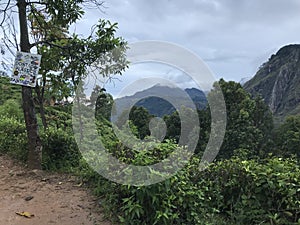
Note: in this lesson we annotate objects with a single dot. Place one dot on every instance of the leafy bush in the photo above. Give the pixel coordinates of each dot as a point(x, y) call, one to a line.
point(59, 116)
point(287, 137)
point(253, 192)
point(8, 90)
point(177, 200)
point(12, 108)
point(228, 192)
point(234, 191)
point(60, 150)
point(13, 138)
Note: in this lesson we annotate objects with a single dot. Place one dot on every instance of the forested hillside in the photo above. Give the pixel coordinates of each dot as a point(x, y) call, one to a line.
point(152, 164)
point(255, 179)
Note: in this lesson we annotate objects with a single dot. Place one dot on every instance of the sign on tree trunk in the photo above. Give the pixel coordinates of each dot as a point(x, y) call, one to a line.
point(26, 69)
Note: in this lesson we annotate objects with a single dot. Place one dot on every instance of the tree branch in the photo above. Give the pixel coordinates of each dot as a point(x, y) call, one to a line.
point(5, 12)
point(33, 11)
point(38, 3)
point(48, 42)
point(92, 4)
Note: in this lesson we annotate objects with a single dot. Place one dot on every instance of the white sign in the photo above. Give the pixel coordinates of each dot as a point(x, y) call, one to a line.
point(26, 69)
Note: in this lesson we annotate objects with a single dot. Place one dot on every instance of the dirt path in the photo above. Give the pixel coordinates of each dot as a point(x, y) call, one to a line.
point(53, 199)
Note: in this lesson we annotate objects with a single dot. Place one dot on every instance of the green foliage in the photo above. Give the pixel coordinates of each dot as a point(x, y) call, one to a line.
point(60, 150)
point(102, 101)
point(13, 137)
point(173, 126)
point(158, 203)
point(229, 192)
point(205, 126)
point(252, 192)
point(12, 108)
point(235, 191)
point(249, 122)
point(287, 137)
point(69, 58)
point(174, 201)
point(9, 91)
point(173, 123)
point(64, 13)
point(140, 118)
point(66, 57)
point(59, 116)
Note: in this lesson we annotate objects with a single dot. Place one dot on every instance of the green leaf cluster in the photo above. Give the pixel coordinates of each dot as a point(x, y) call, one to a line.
point(13, 137)
point(233, 191)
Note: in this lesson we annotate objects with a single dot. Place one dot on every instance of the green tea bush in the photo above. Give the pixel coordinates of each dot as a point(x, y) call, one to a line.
point(253, 192)
point(60, 150)
point(8, 90)
point(13, 138)
point(59, 116)
point(12, 108)
point(177, 200)
point(234, 191)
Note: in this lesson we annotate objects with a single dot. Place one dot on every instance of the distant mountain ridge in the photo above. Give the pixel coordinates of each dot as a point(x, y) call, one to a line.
point(278, 82)
point(158, 99)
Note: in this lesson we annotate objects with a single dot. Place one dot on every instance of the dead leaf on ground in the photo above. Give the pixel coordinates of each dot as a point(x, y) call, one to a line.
point(78, 185)
point(25, 214)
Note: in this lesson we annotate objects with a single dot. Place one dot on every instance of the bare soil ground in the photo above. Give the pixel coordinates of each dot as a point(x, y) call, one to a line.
point(52, 198)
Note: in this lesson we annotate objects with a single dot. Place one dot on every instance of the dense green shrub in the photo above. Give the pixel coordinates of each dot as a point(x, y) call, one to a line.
point(13, 138)
point(252, 192)
point(60, 150)
point(8, 90)
point(177, 200)
point(234, 191)
point(287, 137)
point(12, 108)
point(59, 116)
point(228, 192)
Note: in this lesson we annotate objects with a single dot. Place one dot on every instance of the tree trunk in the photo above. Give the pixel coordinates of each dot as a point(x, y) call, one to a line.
point(40, 98)
point(34, 141)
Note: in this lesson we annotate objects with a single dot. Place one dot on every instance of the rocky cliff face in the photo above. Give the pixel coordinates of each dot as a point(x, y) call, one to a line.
point(278, 81)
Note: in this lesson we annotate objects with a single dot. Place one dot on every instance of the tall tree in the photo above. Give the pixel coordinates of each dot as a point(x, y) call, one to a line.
point(49, 22)
point(140, 118)
point(34, 141)
point(102, 101)
point(287, 137)
point(249, 122)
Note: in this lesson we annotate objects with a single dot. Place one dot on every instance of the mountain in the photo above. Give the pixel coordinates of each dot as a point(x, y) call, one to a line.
point(159, 100)
point(198, 97)
point(244, 80)
point(278, 82)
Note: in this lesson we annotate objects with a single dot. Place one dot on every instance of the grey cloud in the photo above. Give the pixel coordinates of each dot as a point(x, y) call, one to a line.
point(230, 35)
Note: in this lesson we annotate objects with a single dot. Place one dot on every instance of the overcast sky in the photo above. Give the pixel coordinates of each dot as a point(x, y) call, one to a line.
point(233, 37)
